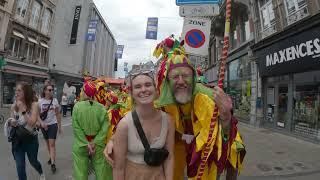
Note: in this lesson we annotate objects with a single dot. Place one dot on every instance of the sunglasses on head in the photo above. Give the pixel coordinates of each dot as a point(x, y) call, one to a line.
point(142, 72)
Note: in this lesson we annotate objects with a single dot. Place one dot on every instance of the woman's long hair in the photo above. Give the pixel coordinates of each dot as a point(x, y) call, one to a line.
point(43, 94)
point(29, 95)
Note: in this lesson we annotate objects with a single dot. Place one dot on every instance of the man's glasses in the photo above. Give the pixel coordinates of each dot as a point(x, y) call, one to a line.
point(49, 90)
point(176, 77)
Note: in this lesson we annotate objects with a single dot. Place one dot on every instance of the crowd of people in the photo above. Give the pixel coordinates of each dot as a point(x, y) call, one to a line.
point(160, 126)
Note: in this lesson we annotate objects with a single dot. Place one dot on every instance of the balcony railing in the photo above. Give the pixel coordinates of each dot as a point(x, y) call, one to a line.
point(297, 15)
point(268, 31)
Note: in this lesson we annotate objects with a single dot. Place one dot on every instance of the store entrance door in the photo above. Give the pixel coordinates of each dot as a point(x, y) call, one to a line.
point(282, 107)
point(270, 109)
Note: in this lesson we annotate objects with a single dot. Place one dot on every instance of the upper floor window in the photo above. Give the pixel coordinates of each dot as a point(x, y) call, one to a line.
point(15, 46)
point(35, 14)
point(267, 14)
point(46, 21)
point(296, 10)
point(22, 6)
point(2, 2)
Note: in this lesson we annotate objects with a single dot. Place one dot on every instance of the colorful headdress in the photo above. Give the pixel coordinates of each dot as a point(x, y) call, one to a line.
point(174, 58)
point(89, 88)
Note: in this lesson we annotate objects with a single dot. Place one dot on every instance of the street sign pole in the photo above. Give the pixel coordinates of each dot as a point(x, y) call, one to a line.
point(220, 84)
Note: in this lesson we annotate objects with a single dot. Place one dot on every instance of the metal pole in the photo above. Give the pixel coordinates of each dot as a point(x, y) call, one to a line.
point(214, 119)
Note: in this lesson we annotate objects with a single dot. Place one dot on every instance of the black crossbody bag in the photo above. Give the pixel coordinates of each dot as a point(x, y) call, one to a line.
point(152, 156)
point(44, 114)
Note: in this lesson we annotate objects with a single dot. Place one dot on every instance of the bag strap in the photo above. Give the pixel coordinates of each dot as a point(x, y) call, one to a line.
point(49, 106)
point(138, 126)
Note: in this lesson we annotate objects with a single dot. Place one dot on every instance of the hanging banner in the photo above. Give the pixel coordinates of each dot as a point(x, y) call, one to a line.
point(119, 51)
point(91, 34)
point(152, 28)
point(75, 24)
point(196, 34)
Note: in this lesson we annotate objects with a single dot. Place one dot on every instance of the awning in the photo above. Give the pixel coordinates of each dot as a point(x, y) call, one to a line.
point(33, 40)
point(16, 33)
point(44, 45)
point(25, 71)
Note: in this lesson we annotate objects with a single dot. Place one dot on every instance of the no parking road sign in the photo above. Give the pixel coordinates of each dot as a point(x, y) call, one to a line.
point(195, 38)
point(196, 34)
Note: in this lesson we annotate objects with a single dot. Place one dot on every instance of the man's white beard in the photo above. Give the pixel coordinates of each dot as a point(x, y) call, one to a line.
point(183, 98)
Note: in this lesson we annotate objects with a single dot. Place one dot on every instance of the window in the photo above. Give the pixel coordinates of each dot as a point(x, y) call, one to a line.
point(15, 44)
point(35, 14)
point(9, 87)
point(2, 2)
point(296, 10)
point(267, 14)
point(29, 51)
point(22, 6)
point(306, 104)
point(42, 55)
point(46, 21)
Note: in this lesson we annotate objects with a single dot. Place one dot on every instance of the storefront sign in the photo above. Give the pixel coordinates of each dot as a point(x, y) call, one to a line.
point(294, 54)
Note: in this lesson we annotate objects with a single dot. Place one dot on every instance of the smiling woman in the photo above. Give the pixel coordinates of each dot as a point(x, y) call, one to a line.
point(132, 155)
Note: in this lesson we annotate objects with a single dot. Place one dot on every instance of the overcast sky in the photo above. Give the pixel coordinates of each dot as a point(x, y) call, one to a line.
point(127, 20)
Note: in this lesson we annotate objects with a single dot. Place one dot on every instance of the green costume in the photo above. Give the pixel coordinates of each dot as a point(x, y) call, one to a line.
point(90, 120)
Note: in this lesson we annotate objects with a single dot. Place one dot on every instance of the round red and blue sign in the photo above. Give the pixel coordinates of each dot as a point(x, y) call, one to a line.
point(195, 38)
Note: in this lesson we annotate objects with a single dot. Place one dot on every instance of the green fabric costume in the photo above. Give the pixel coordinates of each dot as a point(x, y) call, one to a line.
point(90, 120)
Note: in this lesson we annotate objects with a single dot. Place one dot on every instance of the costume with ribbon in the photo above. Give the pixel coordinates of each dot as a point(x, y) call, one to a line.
point(192, 122)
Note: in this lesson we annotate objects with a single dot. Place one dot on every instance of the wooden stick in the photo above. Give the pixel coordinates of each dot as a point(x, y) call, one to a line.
point(214, 119)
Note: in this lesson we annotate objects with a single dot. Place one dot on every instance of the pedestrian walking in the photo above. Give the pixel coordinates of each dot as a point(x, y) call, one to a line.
point(64, 104)
point(51, 122)
point(71, 99)
point(90, 126)
point(21, 130)
point(144, 138)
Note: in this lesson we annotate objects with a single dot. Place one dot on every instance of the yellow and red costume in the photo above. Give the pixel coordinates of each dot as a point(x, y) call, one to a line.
point(194, 118)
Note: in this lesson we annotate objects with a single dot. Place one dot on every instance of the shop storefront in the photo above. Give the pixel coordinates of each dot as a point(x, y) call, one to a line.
point(290, 71)
point(11, 74)
point(239, 86)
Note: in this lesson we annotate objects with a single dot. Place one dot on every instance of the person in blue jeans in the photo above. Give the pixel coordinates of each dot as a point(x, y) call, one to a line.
point(25, 112)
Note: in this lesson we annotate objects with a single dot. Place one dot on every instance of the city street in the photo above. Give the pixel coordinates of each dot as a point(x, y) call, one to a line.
point(270, 156)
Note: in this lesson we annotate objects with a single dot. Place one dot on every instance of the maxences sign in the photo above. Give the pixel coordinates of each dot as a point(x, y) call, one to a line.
point(293, 54)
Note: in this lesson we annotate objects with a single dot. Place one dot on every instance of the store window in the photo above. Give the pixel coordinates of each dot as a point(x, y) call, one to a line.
point(35, 13)
point(21, 10)
point(296, 10)
point(306, 104)
point(46, 21)
point(239, 86)
point(15, 46)
point(9, 87)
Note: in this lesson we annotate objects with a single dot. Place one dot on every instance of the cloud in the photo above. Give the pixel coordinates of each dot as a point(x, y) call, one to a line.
point(127, 21)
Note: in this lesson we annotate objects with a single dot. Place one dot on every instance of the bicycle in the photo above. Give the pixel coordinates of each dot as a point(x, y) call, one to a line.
point(1, 119)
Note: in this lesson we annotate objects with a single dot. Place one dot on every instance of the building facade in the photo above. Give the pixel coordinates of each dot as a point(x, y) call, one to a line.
point(287, 52)
point(5, 13)
point(240, 70)
point(26, 45)
point(273, 67)
point(82, 43)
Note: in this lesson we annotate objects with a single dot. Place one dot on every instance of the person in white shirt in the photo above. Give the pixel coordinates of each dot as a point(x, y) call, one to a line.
point(64, 104)
point(51, 122)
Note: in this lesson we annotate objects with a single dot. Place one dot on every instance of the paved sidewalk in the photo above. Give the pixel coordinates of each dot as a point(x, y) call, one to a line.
point(270, 154)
